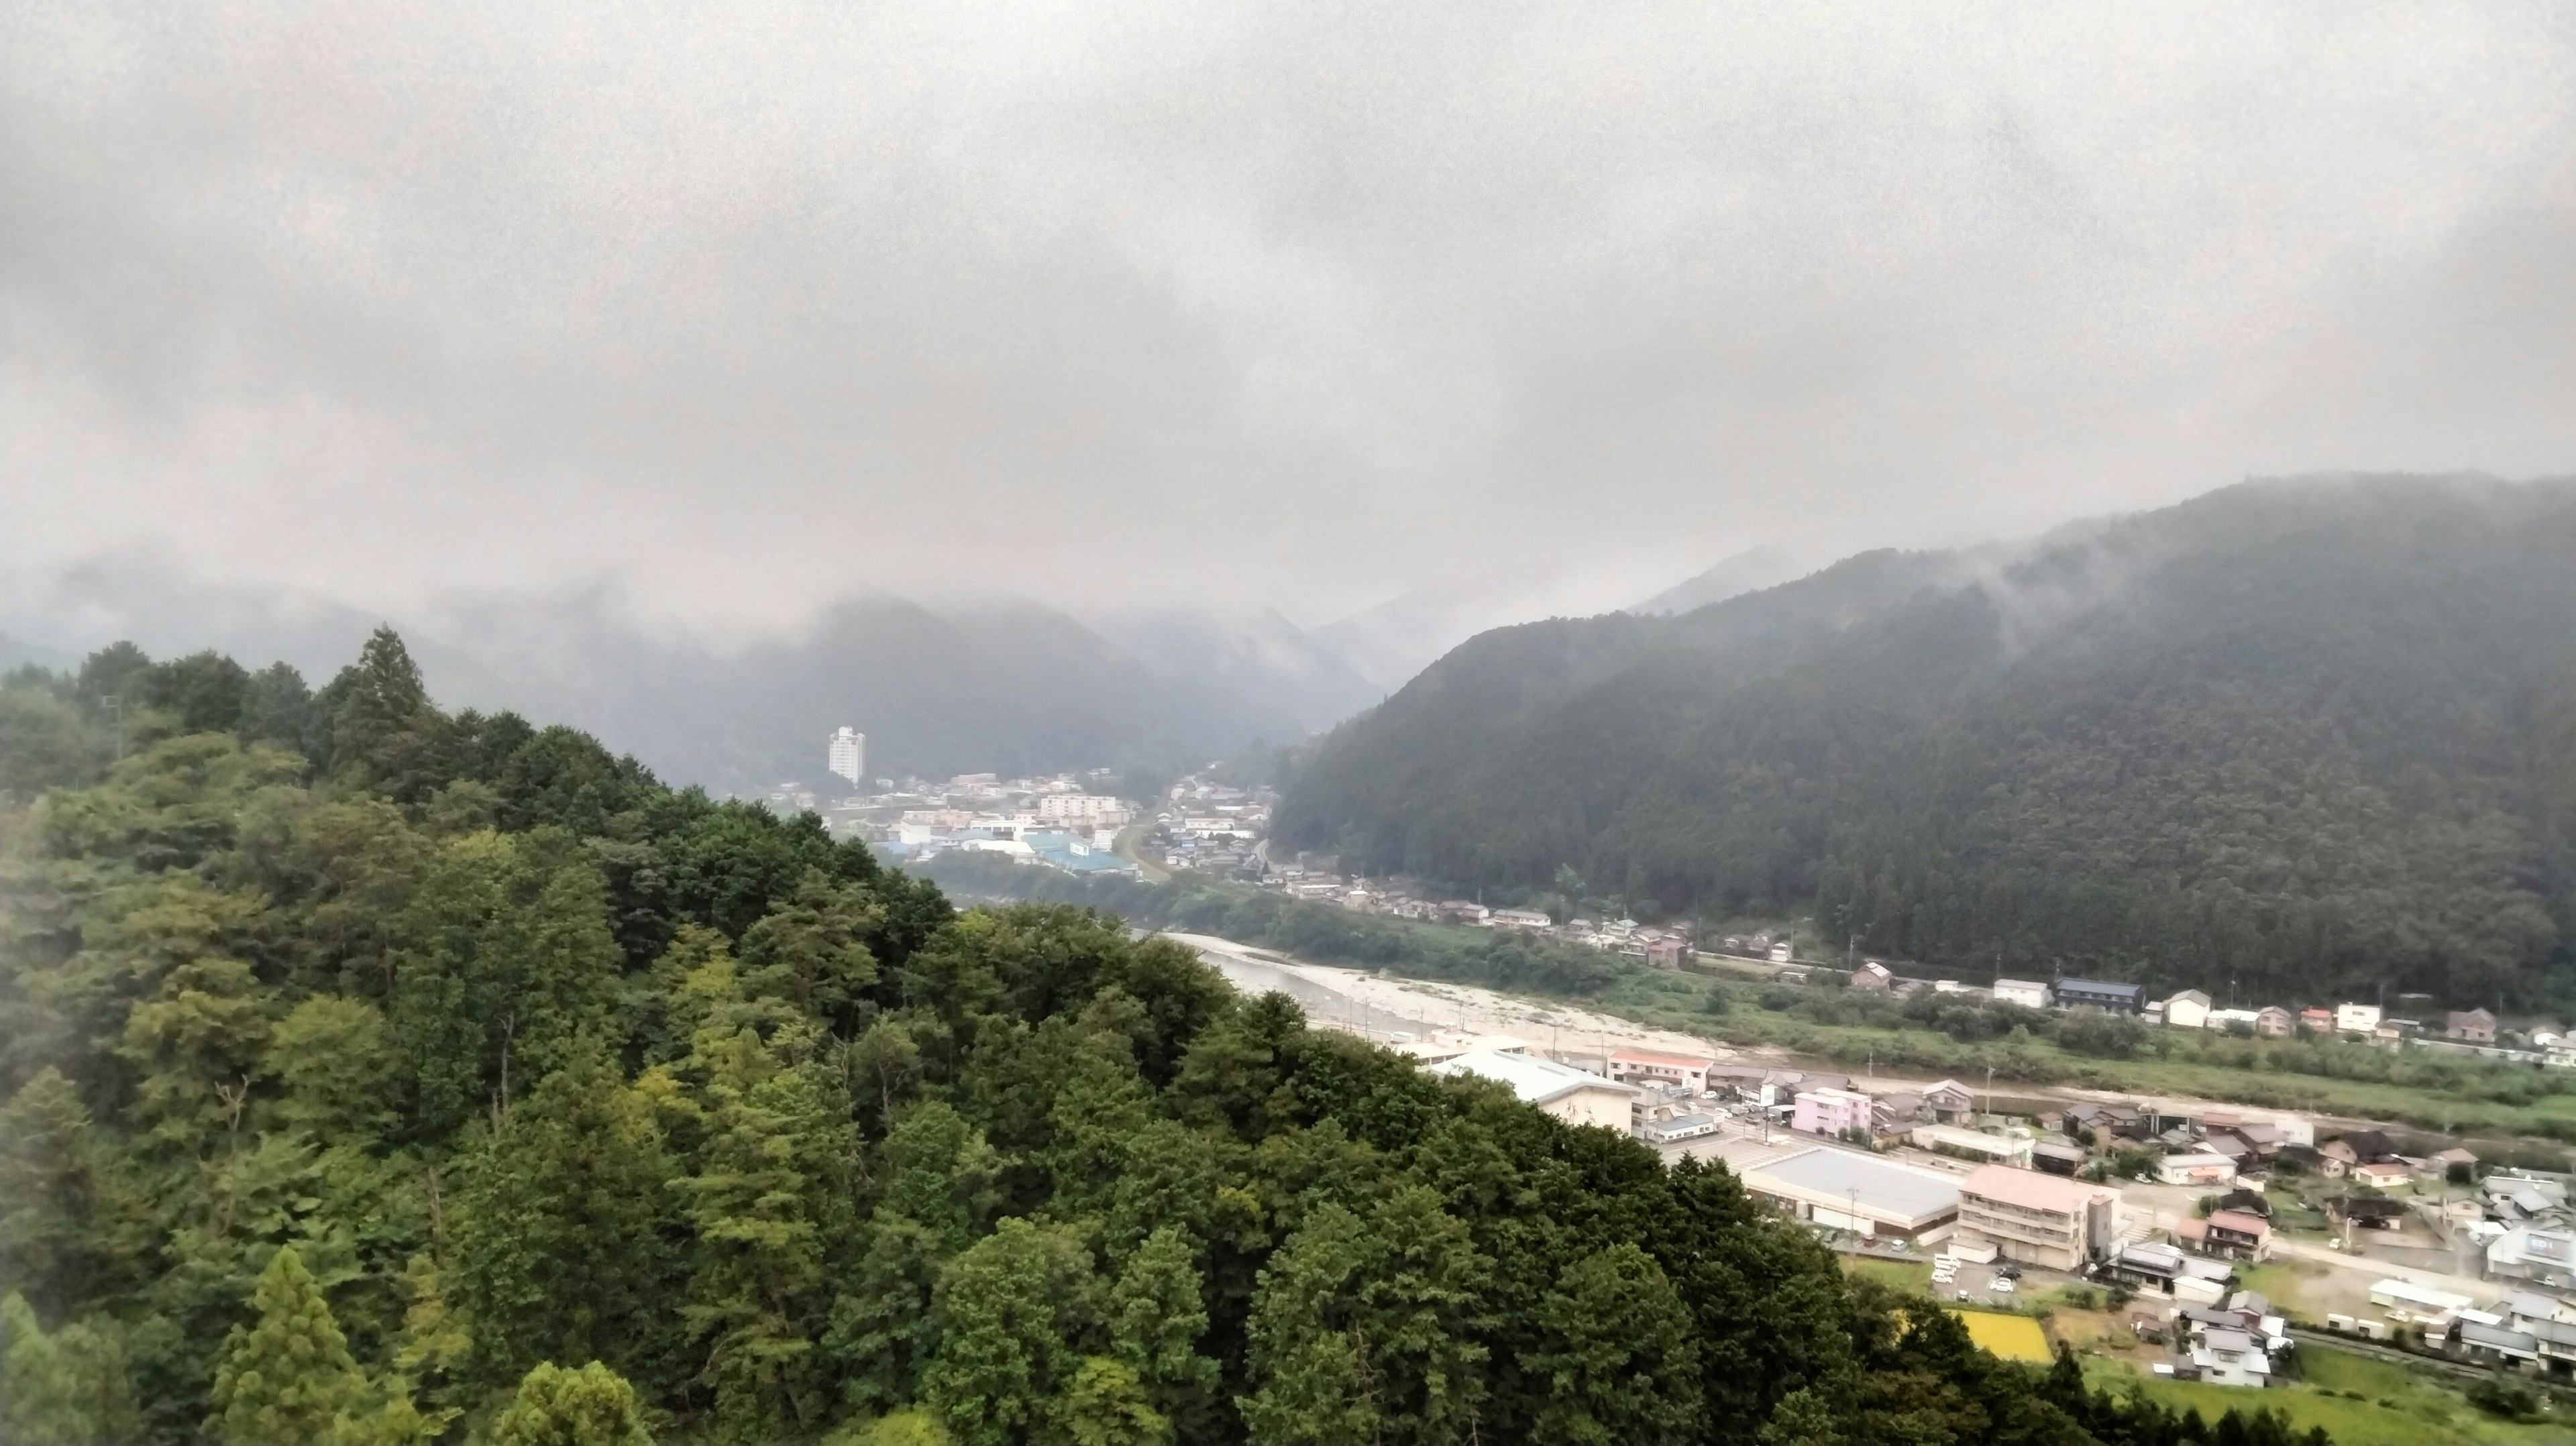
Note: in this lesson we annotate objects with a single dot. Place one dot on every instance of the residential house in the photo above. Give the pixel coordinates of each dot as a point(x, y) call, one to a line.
point(2059, 1157)
point(2100, 994)
point(2231, 1358)
point(1873, 976)
point(2029, 994)
point(2439, 1165)
point(2235, 1234)
point(2384, 1174)
point(2200, 1168)
point(1678, 1127)
point(1967, 1144)
point(2317, 1021)
point(2102, 1124)
point(2356, 1018)
point(2187, 1010)
point(2273, 1022)
point(1898, 1109)
point(2499, 1346)
point(1668, 952)
point(2476, 1026)
point(1832, 1112)
point(1949, 1102)
point(2037, 1219)
point(2229, 1020)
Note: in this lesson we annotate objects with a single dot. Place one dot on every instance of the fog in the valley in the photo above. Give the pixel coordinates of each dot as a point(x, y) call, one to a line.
point(1401, 321)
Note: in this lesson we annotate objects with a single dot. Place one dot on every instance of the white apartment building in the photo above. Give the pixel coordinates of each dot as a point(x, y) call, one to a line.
point(2356, 1018)
point(847, 753)
point(1081, 808)
point(2028, 993)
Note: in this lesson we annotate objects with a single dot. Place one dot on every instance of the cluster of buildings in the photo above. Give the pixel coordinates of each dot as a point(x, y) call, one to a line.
point(1058, 822)
point(1665, 946)
point(1213, 828)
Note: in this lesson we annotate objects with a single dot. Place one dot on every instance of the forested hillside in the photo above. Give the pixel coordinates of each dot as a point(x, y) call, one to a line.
point(375, 1075)
point(2312, 737)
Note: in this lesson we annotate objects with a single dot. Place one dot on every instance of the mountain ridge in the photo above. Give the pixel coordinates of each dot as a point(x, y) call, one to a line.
point(2302, 732)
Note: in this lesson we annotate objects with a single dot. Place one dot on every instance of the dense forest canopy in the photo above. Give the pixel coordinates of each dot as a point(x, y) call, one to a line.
point(2313, 737)
point(376, 1075)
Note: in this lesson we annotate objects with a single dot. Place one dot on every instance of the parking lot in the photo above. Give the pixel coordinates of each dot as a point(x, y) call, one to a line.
point(1966, 1284)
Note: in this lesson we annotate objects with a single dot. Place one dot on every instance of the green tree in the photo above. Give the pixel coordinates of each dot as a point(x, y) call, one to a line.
point(1105, 1405)
point(285, 1379)
point(336, 1063)
point(771, 1201)
point(1013, 1310)
point(62, 1212)
point(811, 949)
point(1620, 1358)
point(384, 733)
point(67, 1389)
point(1369, 1329)
point(592, 1406)
point(1157, 1314)
point(560, 1228)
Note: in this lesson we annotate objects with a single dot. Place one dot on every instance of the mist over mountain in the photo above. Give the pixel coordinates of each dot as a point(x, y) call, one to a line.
point(2311, 735)
point(1751, 570)
point(1009, 686)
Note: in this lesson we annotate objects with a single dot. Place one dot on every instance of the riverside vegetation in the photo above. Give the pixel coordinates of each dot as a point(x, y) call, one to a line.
point(1935, 1034)
point(377, 1075)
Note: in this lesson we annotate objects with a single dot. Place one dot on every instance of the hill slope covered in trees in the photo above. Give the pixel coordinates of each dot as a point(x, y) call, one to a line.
point(2311, 737)
point(379, 1076)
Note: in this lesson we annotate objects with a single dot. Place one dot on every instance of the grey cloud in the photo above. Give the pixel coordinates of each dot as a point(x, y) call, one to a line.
point(738, 310)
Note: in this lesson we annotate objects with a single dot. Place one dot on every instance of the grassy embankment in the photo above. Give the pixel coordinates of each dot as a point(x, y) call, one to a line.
point(1732, 1009)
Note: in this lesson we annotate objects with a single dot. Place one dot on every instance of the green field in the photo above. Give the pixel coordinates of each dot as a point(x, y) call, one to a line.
point(1913, 1276)
point(2400, 1407)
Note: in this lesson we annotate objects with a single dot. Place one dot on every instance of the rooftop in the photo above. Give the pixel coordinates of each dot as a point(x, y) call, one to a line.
point(1648, 1056)
point(1534, 1080)
point(1898, 1190)
point(2033, 1191)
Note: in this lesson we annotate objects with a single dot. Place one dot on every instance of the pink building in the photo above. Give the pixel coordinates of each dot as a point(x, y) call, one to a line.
point(1830, 1112)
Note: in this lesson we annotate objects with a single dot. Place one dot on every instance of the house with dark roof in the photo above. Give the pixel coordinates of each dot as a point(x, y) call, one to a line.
point(2100, 994)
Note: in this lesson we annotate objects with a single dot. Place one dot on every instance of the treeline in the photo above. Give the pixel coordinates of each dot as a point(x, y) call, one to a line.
point(376, 1082)
point(1324, 933)
point(2316, 739)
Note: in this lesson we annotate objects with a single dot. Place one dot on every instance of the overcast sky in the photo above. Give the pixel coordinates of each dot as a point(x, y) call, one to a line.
point(740, 307)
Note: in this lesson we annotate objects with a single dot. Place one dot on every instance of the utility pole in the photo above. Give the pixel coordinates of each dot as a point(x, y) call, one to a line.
point(115, 706)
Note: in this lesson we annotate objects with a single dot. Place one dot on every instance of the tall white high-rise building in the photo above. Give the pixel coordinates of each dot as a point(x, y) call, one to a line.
point(847, 754)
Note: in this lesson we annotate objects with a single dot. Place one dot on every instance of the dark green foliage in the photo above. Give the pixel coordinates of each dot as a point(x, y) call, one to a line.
point(2314, 738)
point(354, 1086)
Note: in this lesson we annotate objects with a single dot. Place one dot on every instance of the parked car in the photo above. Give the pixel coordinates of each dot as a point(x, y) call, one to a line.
point(2001, 1286)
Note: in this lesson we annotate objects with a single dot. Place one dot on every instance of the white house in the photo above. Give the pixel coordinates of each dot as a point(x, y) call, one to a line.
point(2227, 1018)
point(2187, 1010)
point(2029, 994)
point(2356, 1018)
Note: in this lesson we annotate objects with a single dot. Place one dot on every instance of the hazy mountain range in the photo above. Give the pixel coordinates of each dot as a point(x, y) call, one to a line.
point(2312, 735)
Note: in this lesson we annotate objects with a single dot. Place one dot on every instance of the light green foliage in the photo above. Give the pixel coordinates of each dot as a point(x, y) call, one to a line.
point(940, 1173)
point(56, 1217)
point(770, 1194)
point(901, 1428)
point(1105, 1405)
point(67, 1389)
point(1012, 1312)
point(197, 1045)
point(285, 1379)
point(593, 1406)
point(335, 1065)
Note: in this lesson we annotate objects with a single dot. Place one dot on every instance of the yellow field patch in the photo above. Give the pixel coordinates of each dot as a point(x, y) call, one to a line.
point(2010, 1337)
